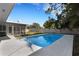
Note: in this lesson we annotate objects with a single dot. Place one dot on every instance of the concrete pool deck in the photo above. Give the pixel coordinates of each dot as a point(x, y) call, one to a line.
point(13, 47)
point(62, 47)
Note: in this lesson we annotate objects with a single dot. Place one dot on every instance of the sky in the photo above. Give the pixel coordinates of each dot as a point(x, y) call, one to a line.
point(29, 13)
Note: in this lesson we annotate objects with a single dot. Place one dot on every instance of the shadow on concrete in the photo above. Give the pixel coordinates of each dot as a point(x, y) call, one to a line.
point(4, 38)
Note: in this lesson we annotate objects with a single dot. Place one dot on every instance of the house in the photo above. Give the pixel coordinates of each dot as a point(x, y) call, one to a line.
point(5, 9)
point(16, 29)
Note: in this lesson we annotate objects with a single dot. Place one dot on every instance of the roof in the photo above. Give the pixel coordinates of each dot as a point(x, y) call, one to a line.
point(15, 23)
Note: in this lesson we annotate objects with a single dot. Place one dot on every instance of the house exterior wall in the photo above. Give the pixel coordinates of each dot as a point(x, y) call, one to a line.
point(15, 29)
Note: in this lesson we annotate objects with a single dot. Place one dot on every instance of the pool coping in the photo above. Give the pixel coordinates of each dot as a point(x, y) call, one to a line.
point(40, 34)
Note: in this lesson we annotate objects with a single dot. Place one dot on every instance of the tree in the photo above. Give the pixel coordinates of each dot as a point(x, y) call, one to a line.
point(50, 23)
point(56, 7)
point(34, 25)
point(72, 15)
point(69, 14)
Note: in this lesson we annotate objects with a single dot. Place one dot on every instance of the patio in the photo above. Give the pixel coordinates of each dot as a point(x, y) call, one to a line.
point(13, 47)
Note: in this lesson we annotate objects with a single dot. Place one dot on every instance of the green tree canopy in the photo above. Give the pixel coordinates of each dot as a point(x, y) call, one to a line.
point(50, 23)
point(34, 25)
point(69, 14)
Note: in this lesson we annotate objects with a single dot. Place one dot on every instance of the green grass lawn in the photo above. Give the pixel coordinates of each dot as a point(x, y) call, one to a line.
point(28, 34)
point(32, 33)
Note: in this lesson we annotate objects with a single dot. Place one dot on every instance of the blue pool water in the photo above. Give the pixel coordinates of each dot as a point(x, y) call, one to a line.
point(43, 40)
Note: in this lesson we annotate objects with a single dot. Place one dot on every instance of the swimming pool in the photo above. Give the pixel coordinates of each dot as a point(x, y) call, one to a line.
point(43, 40)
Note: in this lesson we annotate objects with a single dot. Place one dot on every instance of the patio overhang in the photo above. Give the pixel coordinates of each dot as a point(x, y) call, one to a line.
point(5, 9)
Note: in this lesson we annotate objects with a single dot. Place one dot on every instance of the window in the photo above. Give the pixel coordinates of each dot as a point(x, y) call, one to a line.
point(2, 30)
point(10, 29)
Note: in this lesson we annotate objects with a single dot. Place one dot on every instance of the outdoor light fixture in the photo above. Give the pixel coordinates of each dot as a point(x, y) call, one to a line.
point(3, 10)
